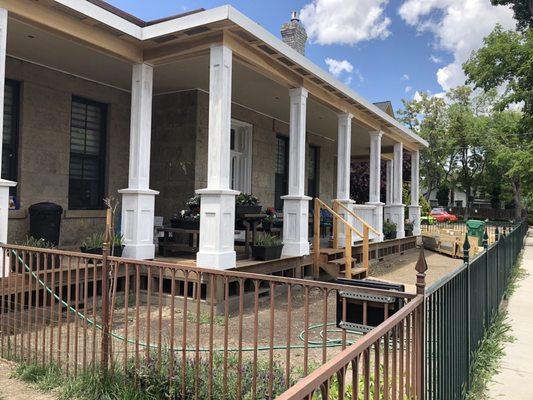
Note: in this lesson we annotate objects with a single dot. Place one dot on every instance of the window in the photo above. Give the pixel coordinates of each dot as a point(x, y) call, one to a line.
point(312, 171)
point(87, 154)
point(282, 171)
point(10, 137)
point(241, 156)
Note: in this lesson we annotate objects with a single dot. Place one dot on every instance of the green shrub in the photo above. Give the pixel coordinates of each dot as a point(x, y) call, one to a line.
point(268, 240)
point(31, 241)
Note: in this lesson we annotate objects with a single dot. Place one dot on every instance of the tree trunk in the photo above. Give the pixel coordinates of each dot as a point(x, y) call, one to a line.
point(517, 197)
point(468, 202)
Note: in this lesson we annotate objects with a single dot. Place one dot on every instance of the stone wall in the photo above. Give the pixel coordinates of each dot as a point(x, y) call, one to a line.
point(264, 134)
point(44, 145)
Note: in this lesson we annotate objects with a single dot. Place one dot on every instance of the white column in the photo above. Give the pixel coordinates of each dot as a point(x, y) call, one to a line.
point(217, 207)
point(296, 204)
point(414, 207)
point(4, 184)
point(344, 147)
point(388, 197)
point(138, 200)
point(374, 184)
point(397, 208)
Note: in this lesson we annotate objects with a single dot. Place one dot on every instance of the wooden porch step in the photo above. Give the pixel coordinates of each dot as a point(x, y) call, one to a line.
point(357, 272)
point(330, 251)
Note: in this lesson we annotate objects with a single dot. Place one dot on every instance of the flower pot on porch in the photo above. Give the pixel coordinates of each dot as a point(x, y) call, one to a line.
point(117, 251)
point(246, 209)
point(391, 235)
point(408, 232)
point(265, 253)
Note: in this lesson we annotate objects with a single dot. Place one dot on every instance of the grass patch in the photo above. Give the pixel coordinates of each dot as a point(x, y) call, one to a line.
point(43, 378)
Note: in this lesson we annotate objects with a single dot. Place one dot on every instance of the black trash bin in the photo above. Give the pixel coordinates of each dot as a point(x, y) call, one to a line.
point(45, 221)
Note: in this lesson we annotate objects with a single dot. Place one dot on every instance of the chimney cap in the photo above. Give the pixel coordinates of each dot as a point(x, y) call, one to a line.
point(294, 16)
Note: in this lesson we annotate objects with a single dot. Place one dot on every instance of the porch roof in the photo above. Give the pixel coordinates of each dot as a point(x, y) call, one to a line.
point(165, 41)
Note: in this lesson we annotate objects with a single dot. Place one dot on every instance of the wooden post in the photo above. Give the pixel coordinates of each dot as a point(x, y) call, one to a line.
point(336, 223)
point(366, 247)
point(348, 251)
point(421, 268)
point(316, 239)
point(104, 349)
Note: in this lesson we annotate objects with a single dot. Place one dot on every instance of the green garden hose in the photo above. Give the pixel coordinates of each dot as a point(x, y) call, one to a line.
point(311, 344)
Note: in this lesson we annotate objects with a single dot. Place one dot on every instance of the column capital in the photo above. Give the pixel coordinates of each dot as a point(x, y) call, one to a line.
point(376, 134)
point(343, 116)
point(298, 92)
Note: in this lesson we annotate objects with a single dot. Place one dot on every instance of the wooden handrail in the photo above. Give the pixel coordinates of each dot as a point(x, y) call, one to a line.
point(324, 205)
point(357, 217)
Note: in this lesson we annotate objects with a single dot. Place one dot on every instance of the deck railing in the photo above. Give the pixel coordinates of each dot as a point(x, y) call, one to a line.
point(207, 333)
point(459, 309)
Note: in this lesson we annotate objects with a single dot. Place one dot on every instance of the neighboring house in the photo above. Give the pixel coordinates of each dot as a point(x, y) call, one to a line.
point(100, 103)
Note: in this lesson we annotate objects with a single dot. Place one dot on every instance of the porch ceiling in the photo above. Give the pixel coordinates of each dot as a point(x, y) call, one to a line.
point(250, 88)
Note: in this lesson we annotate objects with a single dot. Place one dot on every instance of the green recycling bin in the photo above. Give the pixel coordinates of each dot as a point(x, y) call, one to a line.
point(476, 228)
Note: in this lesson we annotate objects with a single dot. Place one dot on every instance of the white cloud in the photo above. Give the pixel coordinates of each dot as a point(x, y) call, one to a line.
point(345, 21)
point(340, 68)
point(408, 89)
point(337, 67)
point(435, 59)
point(458, 27)
point(417, 96)
point(405, 77)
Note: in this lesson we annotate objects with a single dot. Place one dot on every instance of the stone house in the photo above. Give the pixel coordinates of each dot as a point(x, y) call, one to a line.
point(100, 103)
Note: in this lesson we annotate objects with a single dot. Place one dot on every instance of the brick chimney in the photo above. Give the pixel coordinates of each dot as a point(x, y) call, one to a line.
point(293, 33)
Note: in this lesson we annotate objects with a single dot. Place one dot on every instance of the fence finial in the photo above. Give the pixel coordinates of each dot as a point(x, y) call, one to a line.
point(486, 239)
point(466, 249)
point(497, 234)
point(421, 268)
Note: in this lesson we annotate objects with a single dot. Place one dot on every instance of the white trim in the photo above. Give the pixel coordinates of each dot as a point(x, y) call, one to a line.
point(228, 12)
point(106, 17)
point(68, 73)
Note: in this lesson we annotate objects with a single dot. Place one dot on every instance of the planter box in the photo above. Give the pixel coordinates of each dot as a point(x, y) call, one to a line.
point(266, 253)
point(409, 232)
point(391, 236)
point(184, 224)
point(117, 252)
point(241, 210)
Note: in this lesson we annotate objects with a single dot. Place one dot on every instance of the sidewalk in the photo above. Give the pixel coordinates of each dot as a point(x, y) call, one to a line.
point(515, 380)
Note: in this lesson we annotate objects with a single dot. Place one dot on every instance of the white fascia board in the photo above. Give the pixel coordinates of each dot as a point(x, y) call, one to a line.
point(187, 22)
point(105, 17)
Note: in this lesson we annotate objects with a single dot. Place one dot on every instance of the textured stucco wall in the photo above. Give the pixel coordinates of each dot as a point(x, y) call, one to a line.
point(172, 169)
point(44, 143)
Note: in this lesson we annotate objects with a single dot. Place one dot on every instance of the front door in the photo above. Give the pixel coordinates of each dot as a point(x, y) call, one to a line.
point(282, 171)
point(312, 172)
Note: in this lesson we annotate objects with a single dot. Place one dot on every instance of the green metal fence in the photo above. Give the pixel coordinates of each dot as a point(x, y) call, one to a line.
point(459, 308)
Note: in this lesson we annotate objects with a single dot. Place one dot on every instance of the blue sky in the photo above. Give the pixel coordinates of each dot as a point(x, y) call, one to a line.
point(385, 50)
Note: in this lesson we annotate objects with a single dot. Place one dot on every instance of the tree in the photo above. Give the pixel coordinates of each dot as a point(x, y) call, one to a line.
point(511, 155)
point(506, 61)
point(427, 117)
point(523, 11)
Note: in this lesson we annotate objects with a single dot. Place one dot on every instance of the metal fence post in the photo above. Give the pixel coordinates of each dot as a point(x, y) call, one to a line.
point(487, 289)
point(421, 268)
point(466, 259)
point(104, 349)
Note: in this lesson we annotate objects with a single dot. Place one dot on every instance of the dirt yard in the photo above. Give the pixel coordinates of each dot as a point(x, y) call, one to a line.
point(401, 268)
point(14, 389)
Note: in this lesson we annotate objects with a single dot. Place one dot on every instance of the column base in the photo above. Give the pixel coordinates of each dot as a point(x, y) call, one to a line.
point(296, 225)
point(217, 229)
point(414, 217)
point(377, 221)
point(349, 204)
point(395, 213)
point(138, 208)
point(4, 220)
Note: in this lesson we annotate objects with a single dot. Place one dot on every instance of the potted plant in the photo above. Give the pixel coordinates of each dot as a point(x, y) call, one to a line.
point(94, 244)
point(247, 204)
point(270, 219)
point(408, 227)
point(186, 219)
point(267, 247)
point(37, 259)
point(389, 230)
